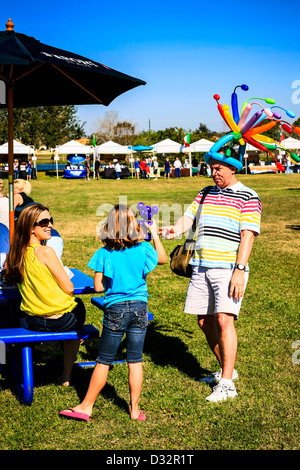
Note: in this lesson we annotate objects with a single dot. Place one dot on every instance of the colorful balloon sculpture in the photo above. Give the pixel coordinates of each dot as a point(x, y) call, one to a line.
point(243, 131)
point(146, 213)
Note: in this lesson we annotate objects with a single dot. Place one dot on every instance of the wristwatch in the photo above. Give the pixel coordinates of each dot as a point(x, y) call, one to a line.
point(241, 267)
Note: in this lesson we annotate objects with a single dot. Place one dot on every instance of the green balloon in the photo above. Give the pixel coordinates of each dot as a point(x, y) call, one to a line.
point(295, 157)
point(270, 101)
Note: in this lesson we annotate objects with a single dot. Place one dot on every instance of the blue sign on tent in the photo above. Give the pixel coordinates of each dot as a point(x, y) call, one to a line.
point(76, 158)
point(140, 148)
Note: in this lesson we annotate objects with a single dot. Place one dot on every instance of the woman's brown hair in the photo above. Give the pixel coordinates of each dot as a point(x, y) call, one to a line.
point(13, 270)
point(121, 230)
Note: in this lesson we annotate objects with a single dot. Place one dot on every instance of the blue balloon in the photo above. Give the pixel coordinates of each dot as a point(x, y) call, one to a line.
point(234, 106)
point(213, 153)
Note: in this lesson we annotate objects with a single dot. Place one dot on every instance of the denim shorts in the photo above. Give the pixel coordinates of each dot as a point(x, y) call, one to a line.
point(130, 318)
point(69, 321)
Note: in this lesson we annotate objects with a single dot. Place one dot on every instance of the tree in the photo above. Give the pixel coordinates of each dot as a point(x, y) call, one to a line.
point(111, 128)
point(202, 133)
point(47, 126)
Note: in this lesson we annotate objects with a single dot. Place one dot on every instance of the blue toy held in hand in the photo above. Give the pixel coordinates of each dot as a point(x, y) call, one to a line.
point(146, 213)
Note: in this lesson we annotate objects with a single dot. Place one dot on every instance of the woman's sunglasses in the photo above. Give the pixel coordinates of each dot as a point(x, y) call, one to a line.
point(44, 222)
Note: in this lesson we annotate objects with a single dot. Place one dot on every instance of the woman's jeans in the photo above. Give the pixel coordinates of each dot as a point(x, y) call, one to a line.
point(130, 317)
point(69, 321)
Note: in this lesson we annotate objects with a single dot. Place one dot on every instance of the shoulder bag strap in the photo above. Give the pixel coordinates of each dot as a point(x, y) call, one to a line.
point(194, 227)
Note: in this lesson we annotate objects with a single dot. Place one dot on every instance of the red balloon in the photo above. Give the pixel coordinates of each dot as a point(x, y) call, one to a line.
point(217, 97)
point(280, 167)
point(287, 129)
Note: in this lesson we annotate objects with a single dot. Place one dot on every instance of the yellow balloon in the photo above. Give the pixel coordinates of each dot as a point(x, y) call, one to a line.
point(263, 138)
point(234, 127)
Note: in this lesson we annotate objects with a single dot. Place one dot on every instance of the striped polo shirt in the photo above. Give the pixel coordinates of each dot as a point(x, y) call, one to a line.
point(225, 213)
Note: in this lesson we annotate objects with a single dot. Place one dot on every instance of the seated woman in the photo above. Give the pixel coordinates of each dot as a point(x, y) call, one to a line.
point(46, 290)
point(22, 189)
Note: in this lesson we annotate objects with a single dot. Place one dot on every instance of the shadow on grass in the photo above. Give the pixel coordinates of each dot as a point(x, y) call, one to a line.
point(166, 350)
point(162, 348)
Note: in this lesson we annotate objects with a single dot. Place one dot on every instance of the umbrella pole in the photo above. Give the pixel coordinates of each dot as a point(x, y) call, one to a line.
point(9, 88)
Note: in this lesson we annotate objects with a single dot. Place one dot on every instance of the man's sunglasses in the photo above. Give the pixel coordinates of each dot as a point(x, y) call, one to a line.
point(44, 222)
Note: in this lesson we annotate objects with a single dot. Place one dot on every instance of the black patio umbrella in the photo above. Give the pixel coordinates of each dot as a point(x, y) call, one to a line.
point(36, 74)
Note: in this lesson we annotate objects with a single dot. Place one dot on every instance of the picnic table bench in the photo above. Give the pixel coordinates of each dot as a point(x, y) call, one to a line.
point(22, 368)
point(20, 357)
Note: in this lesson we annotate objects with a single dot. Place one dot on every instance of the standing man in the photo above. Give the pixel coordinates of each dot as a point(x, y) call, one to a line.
point(118, 170)
point(88, 167)
point(167, 167)
point(227, 227)
point(137, 168)
point(143, 168)
point(177, 166)
point(155, 164)
point(97, 167)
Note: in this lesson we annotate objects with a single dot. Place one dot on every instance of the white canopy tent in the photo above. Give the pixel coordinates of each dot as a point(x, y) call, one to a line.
point(291, 143)
point(73, 147)
point(202, 145)
point(168, 146)
point(112, 148)
point(19, 148)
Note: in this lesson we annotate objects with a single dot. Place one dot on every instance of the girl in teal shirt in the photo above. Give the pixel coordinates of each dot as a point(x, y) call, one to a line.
point(121, 269)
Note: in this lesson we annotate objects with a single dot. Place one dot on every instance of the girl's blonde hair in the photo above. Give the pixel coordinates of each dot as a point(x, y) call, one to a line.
point(1, 186)
point(23, 185)
point(121, 229)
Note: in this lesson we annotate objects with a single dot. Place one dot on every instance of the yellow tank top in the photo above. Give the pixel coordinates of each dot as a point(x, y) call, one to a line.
point(41, 294)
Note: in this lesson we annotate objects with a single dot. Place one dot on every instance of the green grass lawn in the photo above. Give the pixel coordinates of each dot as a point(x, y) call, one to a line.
point(264, 416)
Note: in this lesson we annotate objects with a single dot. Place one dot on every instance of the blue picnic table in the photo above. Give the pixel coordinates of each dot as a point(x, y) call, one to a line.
point(20, 362)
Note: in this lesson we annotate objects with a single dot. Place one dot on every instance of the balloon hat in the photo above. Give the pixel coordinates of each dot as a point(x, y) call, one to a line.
point(243, 131)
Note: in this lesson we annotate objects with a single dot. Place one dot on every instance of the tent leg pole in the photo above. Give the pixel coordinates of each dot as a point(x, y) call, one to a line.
point(9, 88)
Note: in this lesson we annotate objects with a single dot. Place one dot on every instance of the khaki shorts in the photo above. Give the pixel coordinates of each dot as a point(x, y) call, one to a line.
point(208, 292)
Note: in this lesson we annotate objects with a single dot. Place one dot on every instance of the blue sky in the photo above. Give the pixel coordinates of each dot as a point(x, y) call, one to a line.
point(185, 51)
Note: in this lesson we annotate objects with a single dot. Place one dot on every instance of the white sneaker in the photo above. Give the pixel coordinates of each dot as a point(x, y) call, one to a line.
point(216, 376)
point(221, 392)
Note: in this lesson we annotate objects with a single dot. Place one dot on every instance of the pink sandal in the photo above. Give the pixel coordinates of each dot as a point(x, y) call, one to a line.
point(71, 413)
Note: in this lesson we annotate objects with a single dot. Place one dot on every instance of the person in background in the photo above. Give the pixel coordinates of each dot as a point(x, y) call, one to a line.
point(121, 268)
point(137, 168)
point(148, 168)
point(22, 189)
point(198, 169)
point(143, 168)
point(16, 169)
point(29, 170)
point(167, 168)
point(118, 170)
point(177, 166)
point(97, 168)
point(88, 167)
point(155, 171)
